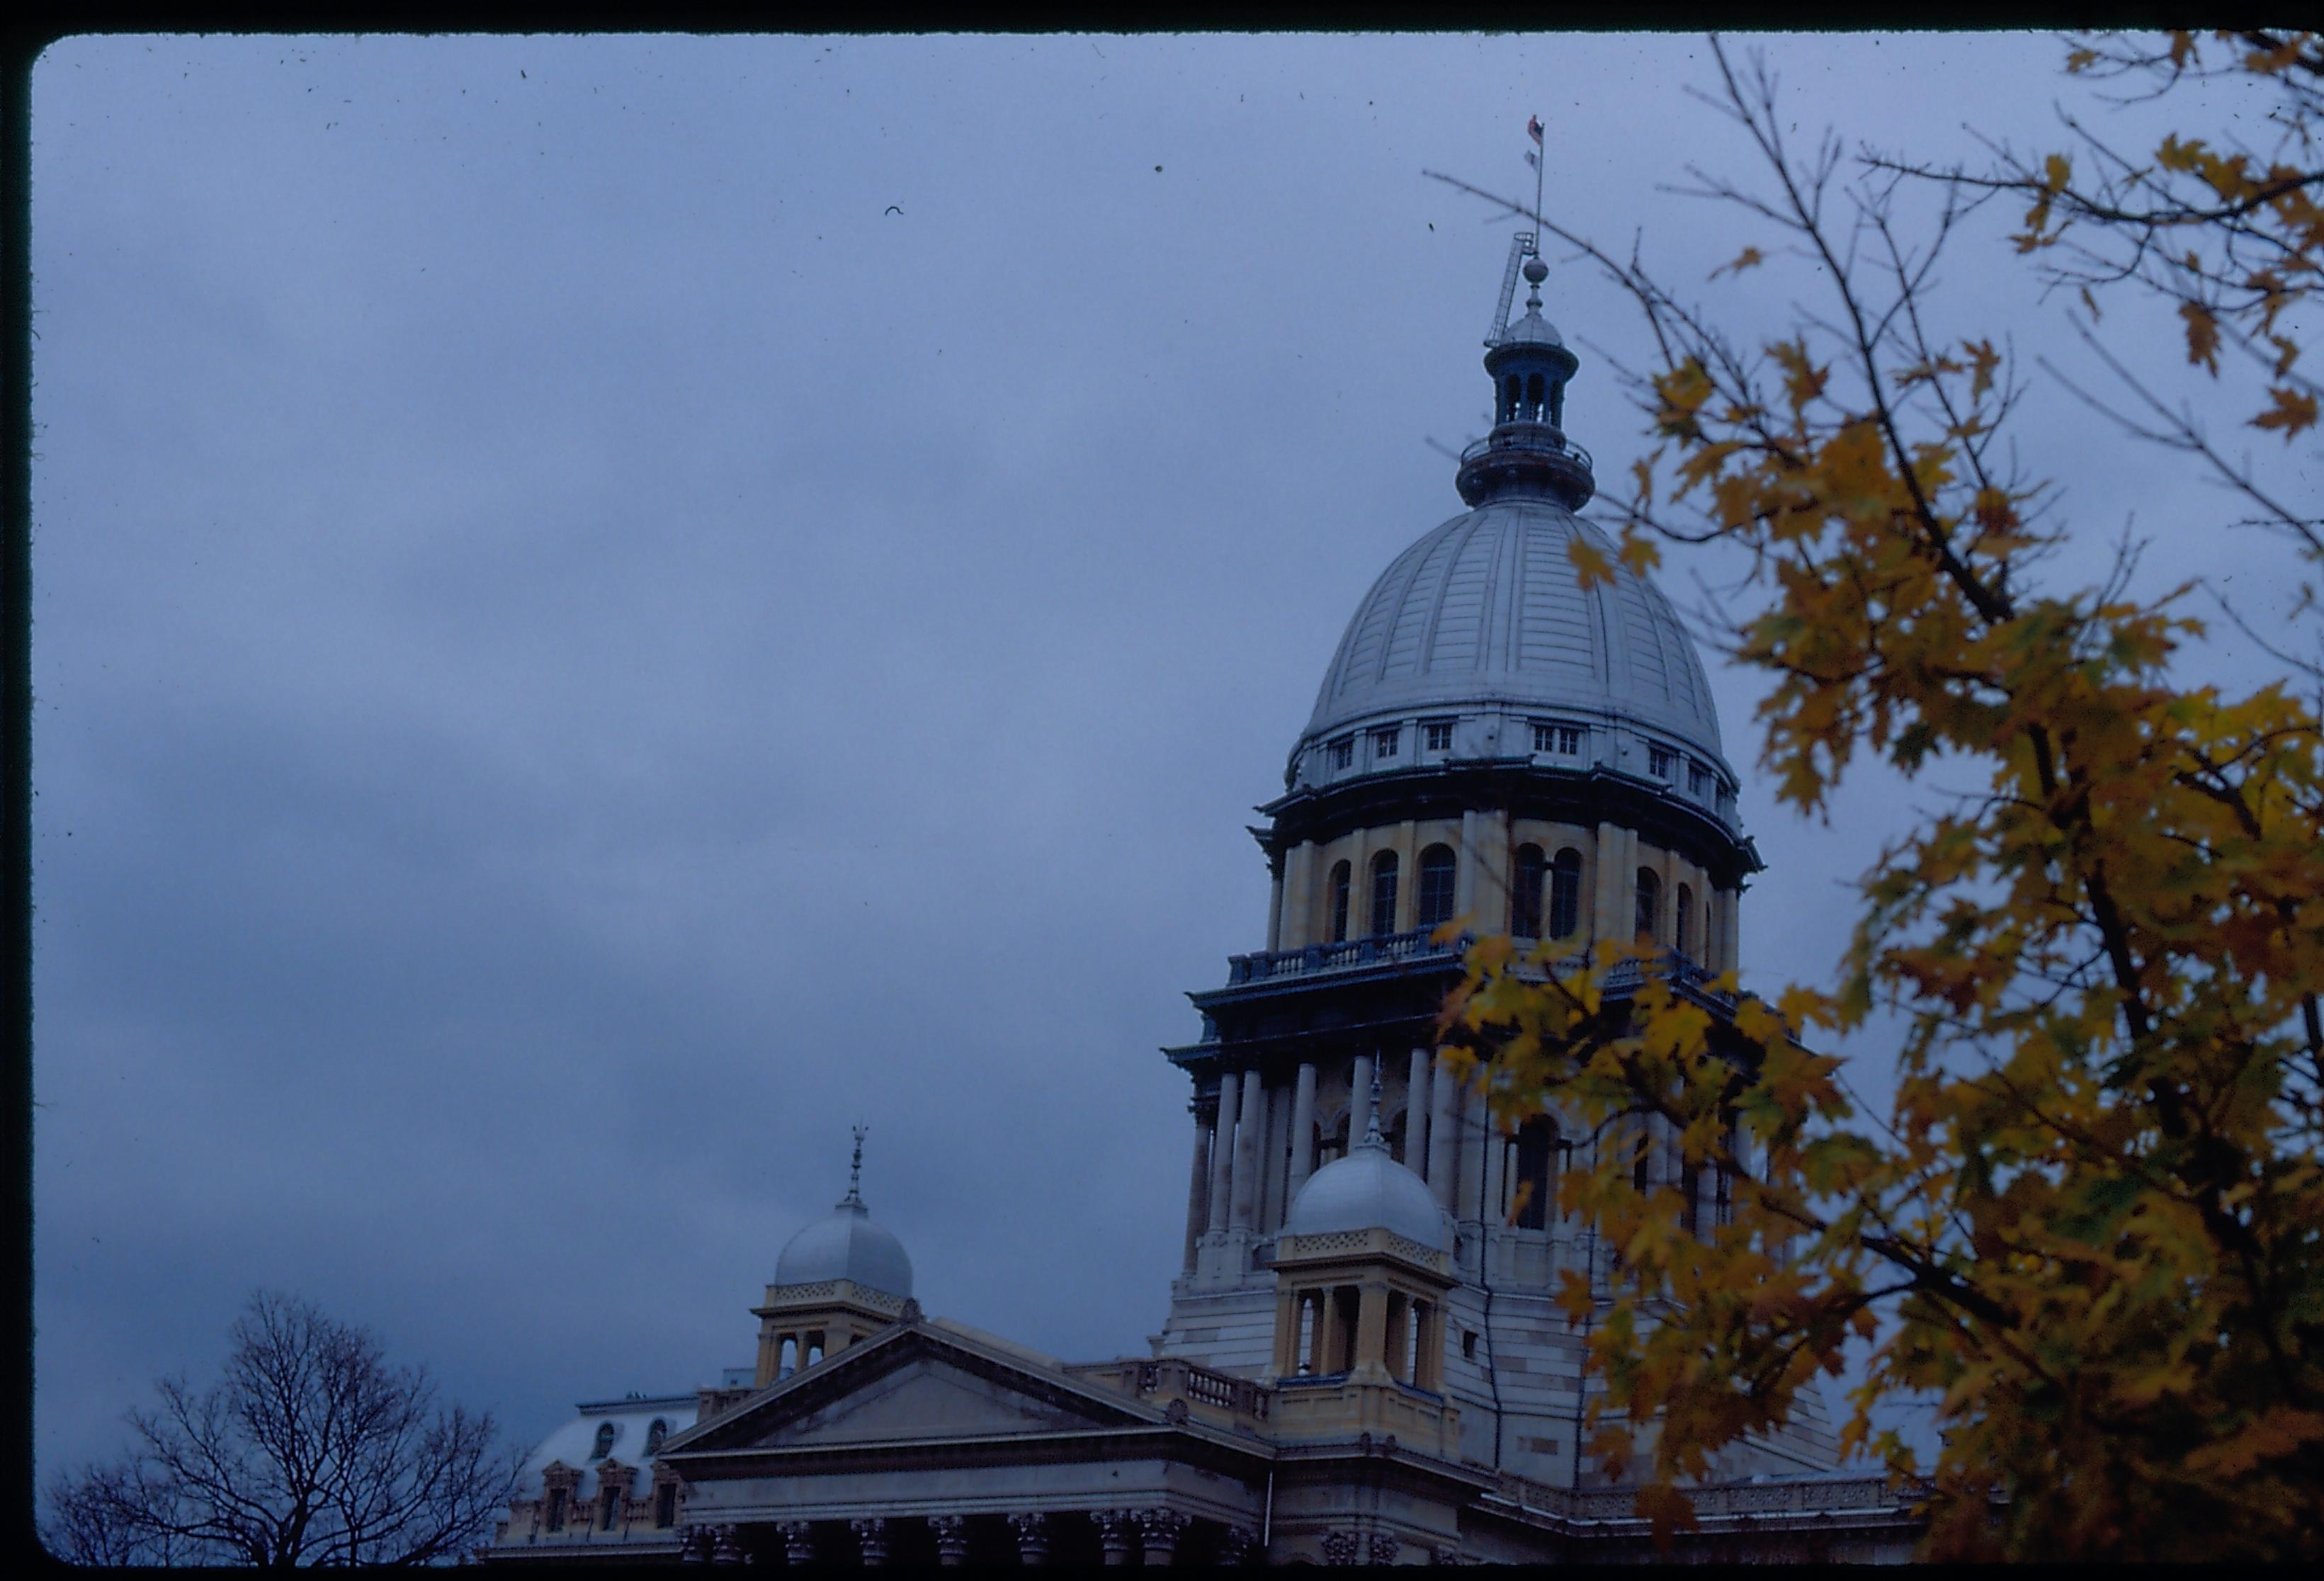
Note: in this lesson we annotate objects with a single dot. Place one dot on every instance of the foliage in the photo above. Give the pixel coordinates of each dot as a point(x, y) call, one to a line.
point(2091, 1223)
point(311, 1450)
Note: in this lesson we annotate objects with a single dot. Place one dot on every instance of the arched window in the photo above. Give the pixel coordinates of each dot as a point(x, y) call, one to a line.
point(1650, 904)
point(1333, 1146)
point(1342, 875)
point(1533, 398)
point(655, 1435)
point(605, 1431)
point(1682, 936)
point(1384, 893)
point(1534, 1169)
point(1525, 892)
point(1565, 893)
point(1437, 867)
point(1509, 399)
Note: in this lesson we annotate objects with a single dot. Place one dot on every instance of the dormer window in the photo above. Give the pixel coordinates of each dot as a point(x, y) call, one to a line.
point(655, 1435)
point(605, 1431)
point(1563, 740)
point(1437, 735)
point(1384, 742)
point(1344, 751)
point(1662, 762)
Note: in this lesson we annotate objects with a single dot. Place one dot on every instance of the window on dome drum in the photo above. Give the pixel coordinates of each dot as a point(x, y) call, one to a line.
point(1563, 740)
point(1650, 904)
point(1565, 893)
point(1662, 762)
point(655, 1435)
point(1529, 872)
point(1698, 780)
point(605, 1431)
point(1384, 893)
point(1530, 1166)
point(1342, 875)
point(1384, 741)
point(1344, 751)
point(1680, 918)
point(1437, 735)
point(1438, 867)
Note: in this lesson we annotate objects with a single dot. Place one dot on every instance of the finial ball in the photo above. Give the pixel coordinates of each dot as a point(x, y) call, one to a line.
point(1536, 271)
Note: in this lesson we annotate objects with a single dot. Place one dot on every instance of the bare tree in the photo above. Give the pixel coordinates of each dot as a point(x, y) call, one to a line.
point(310, 1450)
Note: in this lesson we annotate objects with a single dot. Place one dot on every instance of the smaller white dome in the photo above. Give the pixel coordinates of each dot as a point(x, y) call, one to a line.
point(1532, 329)
point(846, 1244)
point(1368, 1191)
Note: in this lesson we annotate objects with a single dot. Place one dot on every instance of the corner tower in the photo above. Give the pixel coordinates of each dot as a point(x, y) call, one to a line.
point(1495, 744)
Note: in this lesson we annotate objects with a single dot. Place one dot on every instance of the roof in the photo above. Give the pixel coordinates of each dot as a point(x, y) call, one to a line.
point(846, 1244)
point(1367, 1190)
point(1487, 613)
point(575, 1443)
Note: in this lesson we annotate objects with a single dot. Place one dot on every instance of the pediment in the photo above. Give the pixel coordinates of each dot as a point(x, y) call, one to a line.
point(910, 1386)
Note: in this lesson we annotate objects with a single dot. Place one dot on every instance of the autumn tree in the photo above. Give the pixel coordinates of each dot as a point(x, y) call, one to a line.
point(2090, 1222)
point(310, 1450)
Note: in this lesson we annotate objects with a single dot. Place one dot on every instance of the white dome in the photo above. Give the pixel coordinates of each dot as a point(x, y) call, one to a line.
point(1367, 1190)
point(846, 1244)
point(1485, 615)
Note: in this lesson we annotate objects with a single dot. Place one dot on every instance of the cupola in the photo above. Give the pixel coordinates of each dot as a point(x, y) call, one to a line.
point(839, 1280)
point(1527, 453)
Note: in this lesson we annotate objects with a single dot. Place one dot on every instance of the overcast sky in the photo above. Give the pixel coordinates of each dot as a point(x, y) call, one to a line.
point(607, 609)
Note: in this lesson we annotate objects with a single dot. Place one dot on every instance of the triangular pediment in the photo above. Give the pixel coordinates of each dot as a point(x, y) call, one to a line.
point(911, 1383)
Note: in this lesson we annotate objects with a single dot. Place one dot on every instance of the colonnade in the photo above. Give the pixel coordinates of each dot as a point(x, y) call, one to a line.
point(1238, 1179)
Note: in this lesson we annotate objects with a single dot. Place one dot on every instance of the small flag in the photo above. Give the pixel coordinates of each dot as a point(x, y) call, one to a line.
point(1532, 128)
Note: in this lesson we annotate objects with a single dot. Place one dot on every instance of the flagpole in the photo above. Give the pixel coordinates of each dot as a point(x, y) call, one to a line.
point(1540, 163)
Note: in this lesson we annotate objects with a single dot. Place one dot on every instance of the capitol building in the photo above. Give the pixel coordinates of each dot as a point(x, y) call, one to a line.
point(1361, 1360)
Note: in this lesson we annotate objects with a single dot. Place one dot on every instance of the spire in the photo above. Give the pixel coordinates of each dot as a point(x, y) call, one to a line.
point(1372, 1137)
point(854, 1198)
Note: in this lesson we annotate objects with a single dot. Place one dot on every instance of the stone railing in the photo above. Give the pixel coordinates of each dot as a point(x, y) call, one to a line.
point(1183, 1379)
point(1528, 436)
point(1347, 955)
point(1870, 1494)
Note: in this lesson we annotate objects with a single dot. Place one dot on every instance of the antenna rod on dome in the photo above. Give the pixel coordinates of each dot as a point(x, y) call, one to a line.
point(855, 1165)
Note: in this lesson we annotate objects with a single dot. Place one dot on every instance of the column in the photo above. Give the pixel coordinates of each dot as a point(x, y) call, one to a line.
point(1303, 1131)
point(1274, 1138)
point(1408, 877)
point(799, 1541)
point(952, 1539)
point(1158, 1532)
point(1606, 919)
point(1470, 1198)
point(1118, 1528)
point(1198, 1182)
point(1223, 1151)
point(1242, 1211)
point(1032, 1538)
point(1298, 924)
point(1444, 1138)
point(1468, 877)
point(1275, 906)
point(1372, 1327)
point(1730, 954)
point(870, 1538)
point(1415, 1108)
point(1360, 1109)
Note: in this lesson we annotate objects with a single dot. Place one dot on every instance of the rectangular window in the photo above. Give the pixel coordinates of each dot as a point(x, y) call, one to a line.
point(1438, 735)
point(1564, 740)
point(1662, 762)
point(1344, 751)
point(1698, 780)
point(1384, 742)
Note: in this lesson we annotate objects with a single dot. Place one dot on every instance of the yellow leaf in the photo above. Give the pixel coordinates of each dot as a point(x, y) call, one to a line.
point(2294, 410)
point(2202, 335)
point(1589, 561)
point(1749, 257)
